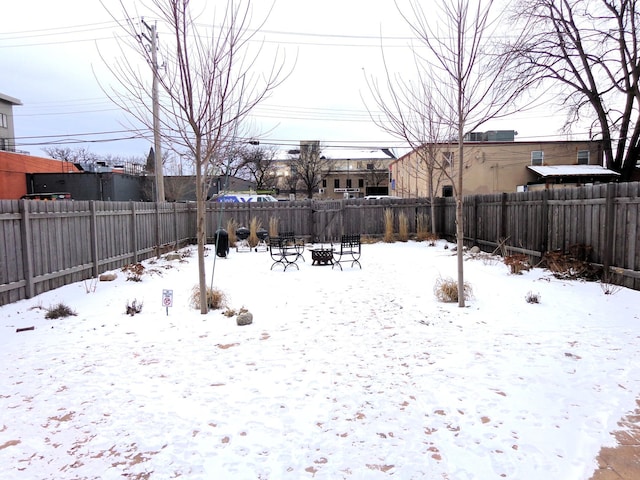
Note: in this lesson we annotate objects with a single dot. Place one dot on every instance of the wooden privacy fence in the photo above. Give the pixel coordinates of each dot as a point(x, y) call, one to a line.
point(605, 218)
point(44, 245)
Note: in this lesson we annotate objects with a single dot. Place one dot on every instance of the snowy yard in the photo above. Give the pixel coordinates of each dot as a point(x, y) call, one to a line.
point(359, 374)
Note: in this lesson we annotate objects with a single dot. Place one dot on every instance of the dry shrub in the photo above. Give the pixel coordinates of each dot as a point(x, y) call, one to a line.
point(446, 290)
point(273, 227)
point(531, 297)
point(606, 283)
point(59, 311)
point(232, 226)
point(403, 227)
point(517, 263)
point(422, 227)
point(572, 264)
point(133, 307)
point(216, 299)
point(431, 239)
point(388, 226)
point(134, 272)
point(254, 226)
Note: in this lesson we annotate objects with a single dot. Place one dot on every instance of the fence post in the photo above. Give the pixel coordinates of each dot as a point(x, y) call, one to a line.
point(544, 224)
point(437, 214)
point(93, 238)
point(27, 248)
point(134, 231)
point(312, 224)
point(157, 205)
point(175, 224)
point(609, 223)
point(503, 217)
point(475, 220)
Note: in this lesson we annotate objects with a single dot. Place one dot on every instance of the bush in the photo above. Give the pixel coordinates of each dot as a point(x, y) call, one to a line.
point(431, 239)
point(532, 297)
point(216, 299)
point(254, 226)
point(59, 311)
point(232, 226)
point(134, 307)
point(446, 290)
point(388, 225)
point(606, 283)
point(517, 263)
point(134, 272)
point(422, 227)
point(403, 227)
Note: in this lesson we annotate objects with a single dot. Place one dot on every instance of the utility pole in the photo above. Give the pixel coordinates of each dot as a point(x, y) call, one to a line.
point(151, 35)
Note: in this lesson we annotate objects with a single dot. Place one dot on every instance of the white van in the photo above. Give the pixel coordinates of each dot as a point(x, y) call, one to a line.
point(241, 198)
point(381, 197)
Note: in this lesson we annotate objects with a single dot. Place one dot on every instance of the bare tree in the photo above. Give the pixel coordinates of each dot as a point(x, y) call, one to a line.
point(74, 155)
point(377, 173)
point(588, 53)
point(289, 181)
point(469, 82)
point(260, 163)
point(232, 161)
point(310, 166)
point(209, 85)
point(409, 110)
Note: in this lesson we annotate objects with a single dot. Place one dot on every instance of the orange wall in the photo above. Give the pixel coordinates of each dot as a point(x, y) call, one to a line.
point(15, 166)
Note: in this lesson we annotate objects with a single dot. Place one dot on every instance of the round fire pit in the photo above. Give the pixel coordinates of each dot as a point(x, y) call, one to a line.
point(322, 256)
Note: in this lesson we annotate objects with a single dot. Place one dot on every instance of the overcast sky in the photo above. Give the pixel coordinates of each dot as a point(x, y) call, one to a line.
point(50, 62)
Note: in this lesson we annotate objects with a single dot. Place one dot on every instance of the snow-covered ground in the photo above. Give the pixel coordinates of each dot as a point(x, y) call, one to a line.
point(342, 374)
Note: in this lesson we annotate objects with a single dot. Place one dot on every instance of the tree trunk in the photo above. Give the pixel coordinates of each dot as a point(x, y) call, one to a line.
point(460, 217)
point(201, 235)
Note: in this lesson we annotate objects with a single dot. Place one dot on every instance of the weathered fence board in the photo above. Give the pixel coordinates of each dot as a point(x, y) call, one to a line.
point(45, 245)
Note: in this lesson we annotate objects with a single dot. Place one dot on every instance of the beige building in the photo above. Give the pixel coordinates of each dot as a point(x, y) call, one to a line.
point(492, 166)
point(348, 173)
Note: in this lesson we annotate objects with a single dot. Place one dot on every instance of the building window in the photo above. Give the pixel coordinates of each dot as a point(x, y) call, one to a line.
point(537, 158)
point(336, 183)
point(4, 120)
point(324, 183)
point(447, 191)
point(583, 157)
point(447, 159)
point(348, 183)
point(361, 183)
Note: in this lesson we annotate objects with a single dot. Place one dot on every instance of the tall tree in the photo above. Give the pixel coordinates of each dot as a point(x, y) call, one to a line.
point(409, 110)
point(310, 166)
point(377, 173)
point(74, 155)
point(462, 79)
point(210, 83)
point(587, 53)
point(260, 164)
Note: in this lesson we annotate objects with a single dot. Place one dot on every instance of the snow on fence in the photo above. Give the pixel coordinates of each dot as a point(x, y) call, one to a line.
point(45, 245)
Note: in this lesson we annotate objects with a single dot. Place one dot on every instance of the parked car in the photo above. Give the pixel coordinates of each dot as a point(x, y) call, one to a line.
point(380, 197)
point(47, 196)
point(240, 198)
